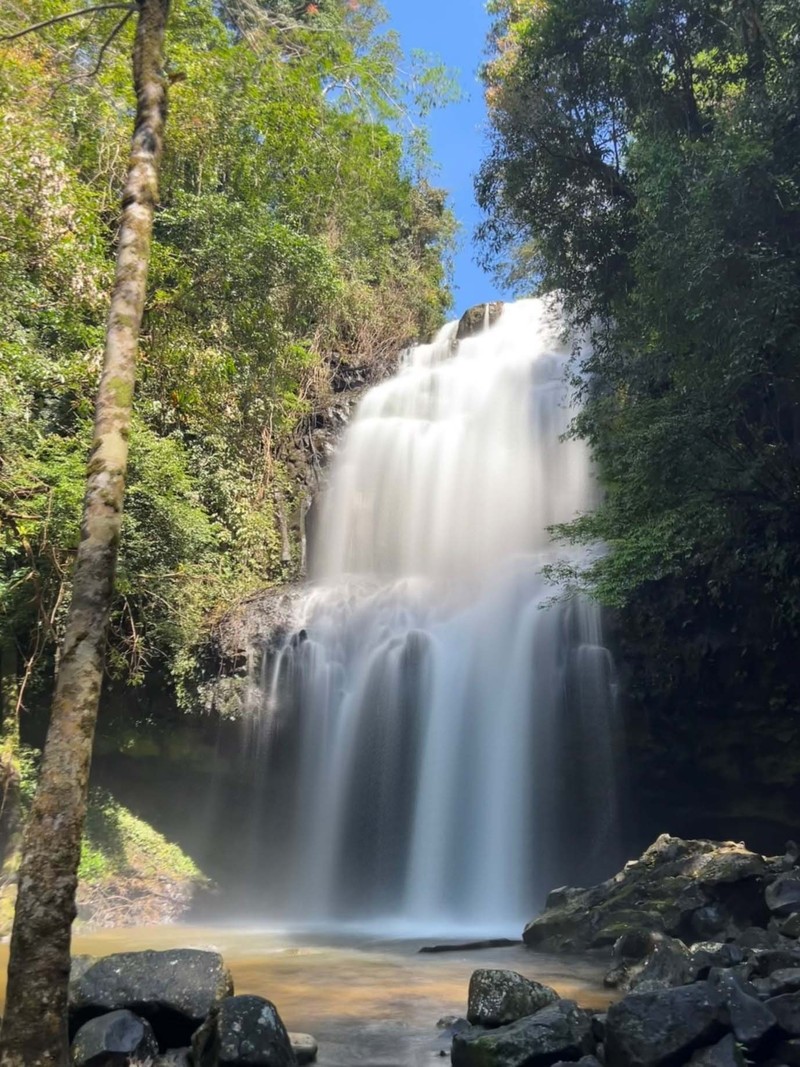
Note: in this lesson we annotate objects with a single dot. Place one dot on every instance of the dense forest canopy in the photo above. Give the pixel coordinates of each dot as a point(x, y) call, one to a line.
point(645, 164)
point(297, 231)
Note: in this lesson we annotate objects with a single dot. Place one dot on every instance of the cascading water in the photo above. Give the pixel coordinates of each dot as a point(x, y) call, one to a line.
point(439, 737)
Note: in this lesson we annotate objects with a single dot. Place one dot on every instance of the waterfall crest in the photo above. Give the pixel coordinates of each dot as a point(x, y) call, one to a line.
point(442, 736)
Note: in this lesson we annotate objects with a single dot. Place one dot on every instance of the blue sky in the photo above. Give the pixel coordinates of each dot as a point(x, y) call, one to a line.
point(455, 31)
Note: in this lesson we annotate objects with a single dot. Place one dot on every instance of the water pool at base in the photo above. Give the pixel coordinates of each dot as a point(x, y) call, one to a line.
point(366, 1000)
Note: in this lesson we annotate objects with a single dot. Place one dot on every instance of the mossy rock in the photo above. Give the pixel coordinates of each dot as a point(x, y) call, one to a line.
point(625, 924)
point(662, 891)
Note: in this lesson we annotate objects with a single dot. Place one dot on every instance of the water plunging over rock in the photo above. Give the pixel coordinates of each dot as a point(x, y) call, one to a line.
point(437, 741)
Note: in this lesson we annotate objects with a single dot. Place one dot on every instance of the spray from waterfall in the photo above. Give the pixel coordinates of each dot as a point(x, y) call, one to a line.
point(439, 736)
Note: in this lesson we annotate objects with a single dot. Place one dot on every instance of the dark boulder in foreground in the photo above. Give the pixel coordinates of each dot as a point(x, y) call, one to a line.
point(783, 895)
point(749, 1019)
point(114, 1040)
point(561, 1031)
point(669, 964)
point(786, 1009)
point(692, 890)
point(664, 1027)
point(173, 990)
point(726, 1053)
point(499, 997)
point(243, 1031)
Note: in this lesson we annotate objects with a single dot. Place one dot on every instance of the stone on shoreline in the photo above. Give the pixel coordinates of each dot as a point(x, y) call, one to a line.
point(173, 990)
point(117, 1038)
point(304, 1046)
point(561, 1031)
point(497, 997)
point(244, 1031)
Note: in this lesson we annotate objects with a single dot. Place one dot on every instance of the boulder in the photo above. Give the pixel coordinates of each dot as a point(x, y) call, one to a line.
point(708, 954)
point(779, 982)
point(669, 965)
point(561, 1031)
point(173, 990)
point(709, 920)
point(244, 1031)
point(766, 961)
point(452, 1023)
point(475, 320)
point(786, 1009)
point(725, 1053)
point(557, 897)
point(685, 889)
point(755, 937)
point(176, 1057)
point(782, 896)
point(649, 1029)
point(618, 976)
point(749, 1019)
point(498, 997)
point(634, 945)
point(791, 927)
point(79, 965)
point(118, 1039)
point(304, 1046)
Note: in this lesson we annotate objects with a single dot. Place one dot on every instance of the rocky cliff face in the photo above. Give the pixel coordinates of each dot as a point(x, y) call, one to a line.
point(306, 455)
point(478, 318)
point(254, 627)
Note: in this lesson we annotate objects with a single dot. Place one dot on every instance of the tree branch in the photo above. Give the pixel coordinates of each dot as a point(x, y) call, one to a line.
point(130, 8)
point(104, 46)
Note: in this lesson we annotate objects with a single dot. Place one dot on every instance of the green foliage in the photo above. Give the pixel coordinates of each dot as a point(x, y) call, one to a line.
point(646, 166)
point(116, 842)
point(295, 229)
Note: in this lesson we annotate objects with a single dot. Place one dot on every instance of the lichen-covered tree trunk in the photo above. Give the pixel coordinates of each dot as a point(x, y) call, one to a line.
point(34, 1031)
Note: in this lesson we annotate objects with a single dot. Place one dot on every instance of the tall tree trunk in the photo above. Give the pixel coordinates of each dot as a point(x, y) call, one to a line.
point(34, 1031)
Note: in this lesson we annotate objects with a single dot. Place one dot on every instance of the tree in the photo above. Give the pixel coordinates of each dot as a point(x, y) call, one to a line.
point(646, 166)
point(34, 1030)
point(294, 237)
point(294, 240)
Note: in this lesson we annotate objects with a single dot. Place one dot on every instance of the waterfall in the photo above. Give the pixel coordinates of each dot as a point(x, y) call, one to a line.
point(439, 733)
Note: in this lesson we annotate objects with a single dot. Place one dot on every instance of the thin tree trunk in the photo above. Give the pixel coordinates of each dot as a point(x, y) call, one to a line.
point(34, 1031)
point(9, 695)
point(10, 807)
